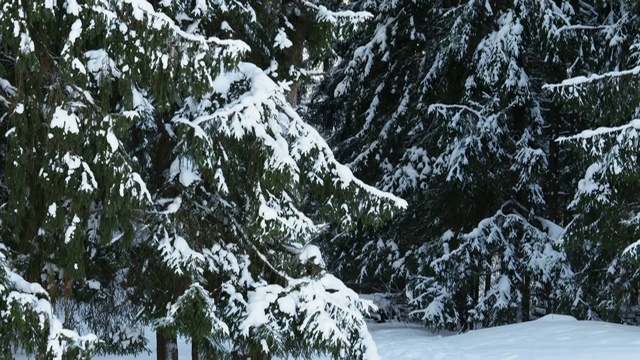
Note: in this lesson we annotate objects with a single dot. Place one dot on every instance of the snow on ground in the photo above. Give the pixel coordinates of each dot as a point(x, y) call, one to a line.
point(549, 338)
point(552, 337)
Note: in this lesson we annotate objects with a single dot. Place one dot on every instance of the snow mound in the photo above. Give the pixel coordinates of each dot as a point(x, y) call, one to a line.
point(312, 253)
point(557, 317)
point(560, 338)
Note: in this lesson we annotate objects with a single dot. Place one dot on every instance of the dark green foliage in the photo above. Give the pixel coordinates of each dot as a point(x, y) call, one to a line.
point(154, 169)
point(446, 106)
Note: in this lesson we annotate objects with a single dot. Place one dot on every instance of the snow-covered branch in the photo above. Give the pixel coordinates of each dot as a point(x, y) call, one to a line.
point(588, 134)
point(581, 80)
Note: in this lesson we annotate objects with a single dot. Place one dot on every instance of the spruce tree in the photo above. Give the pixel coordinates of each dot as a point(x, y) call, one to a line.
point(446, 107)
point(70, 188)
point(148, 156)
point(28, 321)
point(361, 104)
point(223, 256)
point(601, 239)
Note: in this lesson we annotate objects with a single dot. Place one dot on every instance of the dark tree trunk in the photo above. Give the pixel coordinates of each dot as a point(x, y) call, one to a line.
point(526, 297)
point(166, 347)
point(295, 53)
point(487, 283)
point(195, 355)
point(555, 209)
point(292, 95)
point(450, 3)
point(475, 295)
point(487, 288)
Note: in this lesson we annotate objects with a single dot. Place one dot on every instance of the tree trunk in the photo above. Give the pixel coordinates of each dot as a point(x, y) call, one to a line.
point(475, 296)
point(487, 288)
point(166, 346)
point(553, 196)
point(295, 55)
point(526, 298)
point(292, 95)
point(487, 282)
point(194, 350)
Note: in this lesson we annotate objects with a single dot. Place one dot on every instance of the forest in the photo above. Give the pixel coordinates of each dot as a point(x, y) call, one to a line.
point(264, 178)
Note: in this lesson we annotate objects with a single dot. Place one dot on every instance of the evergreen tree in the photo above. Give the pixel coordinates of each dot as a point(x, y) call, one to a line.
point(600, 240)
point(449, 111)
point(286, 37)
point(70, 74)
point(29, 322)
point(147, 166)
point(232, 168)
point(377, 83)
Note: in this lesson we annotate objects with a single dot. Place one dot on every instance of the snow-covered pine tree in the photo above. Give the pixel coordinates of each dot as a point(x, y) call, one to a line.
point(498, 157)
point(225, 259)
point(446, 107)
point(601, 241)
point(227, 160)
point(361, 104)
point(28, 320)
point(75, 78)
point(288, 36)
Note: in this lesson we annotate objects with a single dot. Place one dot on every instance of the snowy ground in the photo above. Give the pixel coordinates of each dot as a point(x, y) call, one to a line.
point(552, 337)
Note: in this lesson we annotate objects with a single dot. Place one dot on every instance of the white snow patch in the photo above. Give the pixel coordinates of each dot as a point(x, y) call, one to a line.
point(112, 140)
point(282, 41)
point(311, 253)
point(186, 171)
point(557, 317)
point(173, 207)
point(53, 209)
point(68, 234)
point(554, 231)
point(93, 284)
point(68, 122)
